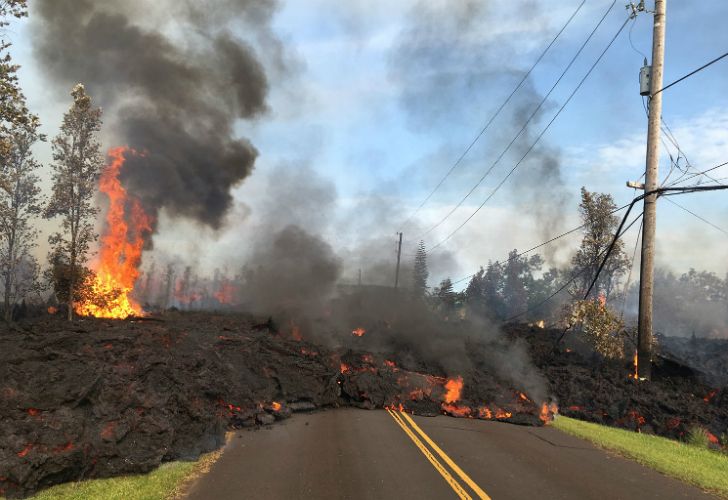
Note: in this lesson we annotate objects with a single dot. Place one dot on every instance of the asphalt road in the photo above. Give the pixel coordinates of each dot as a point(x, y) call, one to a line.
point(359, 454)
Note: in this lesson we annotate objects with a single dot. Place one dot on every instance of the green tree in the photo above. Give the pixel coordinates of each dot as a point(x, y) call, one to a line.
point(13, 112)
point(20, 203)
point(76, 168)
point(600, 225)
point(518, 281)
point(446, 295)
point(420, 273)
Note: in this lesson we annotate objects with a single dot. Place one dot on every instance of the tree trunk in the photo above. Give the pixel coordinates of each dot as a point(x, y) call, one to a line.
point(71, 280)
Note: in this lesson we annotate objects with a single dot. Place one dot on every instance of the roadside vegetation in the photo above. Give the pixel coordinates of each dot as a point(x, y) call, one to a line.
point(167, 482)
point(695, 464)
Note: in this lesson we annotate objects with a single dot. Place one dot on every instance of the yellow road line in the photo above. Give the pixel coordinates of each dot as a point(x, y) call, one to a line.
point(459, 491)
point(478, 491)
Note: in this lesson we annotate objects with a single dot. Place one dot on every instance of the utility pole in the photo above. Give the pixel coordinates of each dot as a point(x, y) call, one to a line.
point(399, 256)
point(644, 328)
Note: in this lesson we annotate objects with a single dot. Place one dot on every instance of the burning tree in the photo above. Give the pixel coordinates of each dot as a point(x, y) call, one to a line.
point(76, 168)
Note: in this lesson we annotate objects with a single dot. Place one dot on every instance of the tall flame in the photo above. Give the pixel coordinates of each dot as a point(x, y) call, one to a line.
point(122, 243)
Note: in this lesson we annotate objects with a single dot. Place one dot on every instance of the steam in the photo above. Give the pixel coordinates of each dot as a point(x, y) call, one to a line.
point(176, 99)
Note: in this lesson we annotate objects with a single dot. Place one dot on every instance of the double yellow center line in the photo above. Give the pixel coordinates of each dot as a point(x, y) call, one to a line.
point(408, 425)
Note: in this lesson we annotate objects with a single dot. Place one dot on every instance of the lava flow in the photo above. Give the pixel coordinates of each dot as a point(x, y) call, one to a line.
point(122, 243)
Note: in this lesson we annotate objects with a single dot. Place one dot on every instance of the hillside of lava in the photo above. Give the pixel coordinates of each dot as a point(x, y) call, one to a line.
point(103, 397)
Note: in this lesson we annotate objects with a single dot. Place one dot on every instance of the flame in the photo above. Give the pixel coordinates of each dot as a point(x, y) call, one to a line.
point(602, 300)
point(226, 293)
point(454, 388)
point(344, 368)
point(548, 410)
point(635, 362)
point(276, 406)
point(390, 364)
point(52, 310)
point(523, 397)
point(122, 243)
point(358, 332)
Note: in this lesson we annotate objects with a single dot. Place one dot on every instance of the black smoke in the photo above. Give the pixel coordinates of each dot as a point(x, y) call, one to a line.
point(173, 80)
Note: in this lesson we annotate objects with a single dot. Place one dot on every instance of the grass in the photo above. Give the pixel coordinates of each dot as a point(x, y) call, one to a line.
point(166, 482)
point(706, 469)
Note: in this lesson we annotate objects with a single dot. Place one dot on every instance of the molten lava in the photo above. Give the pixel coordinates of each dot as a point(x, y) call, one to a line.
point(454, 387)
point(122, 243)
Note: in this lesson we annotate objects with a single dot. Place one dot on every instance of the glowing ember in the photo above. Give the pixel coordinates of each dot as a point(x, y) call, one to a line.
point(122, 243)
point(367, 358)
point(390, 364)
point(276, 406)
point(295, 331)
point(344, 368)
point(710, 395)
point(25, 450)
point(523, 396)
point(485, 413)
point(712, 438)
point(635, 361)
point(358, 332)
point(454, 387)
point(52, 310)
point(499, 413)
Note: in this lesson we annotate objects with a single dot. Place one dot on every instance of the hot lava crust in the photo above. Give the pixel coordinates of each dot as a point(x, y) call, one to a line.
point(102, 397)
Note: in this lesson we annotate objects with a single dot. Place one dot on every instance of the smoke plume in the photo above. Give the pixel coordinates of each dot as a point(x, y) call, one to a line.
point(173, 80)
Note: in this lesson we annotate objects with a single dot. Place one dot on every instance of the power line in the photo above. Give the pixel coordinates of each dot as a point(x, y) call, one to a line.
point(525, 125)
point(698, 217)
point(494, 116)
point(703, 172)
point(574, 276)
point(536, 247)
point(543, 132)
point(691, 73)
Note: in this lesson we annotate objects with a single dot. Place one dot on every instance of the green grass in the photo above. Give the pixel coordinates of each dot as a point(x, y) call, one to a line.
point(165, 482)
point(701, 467)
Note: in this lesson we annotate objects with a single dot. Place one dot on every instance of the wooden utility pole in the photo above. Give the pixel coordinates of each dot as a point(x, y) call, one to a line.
point(644, 349)
point(399, 256)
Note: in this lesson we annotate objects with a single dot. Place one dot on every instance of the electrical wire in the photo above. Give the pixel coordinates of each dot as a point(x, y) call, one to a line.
point(691, 73)
point(538, 138)
point(525, 125)
point(698, 217)
point(494, 116)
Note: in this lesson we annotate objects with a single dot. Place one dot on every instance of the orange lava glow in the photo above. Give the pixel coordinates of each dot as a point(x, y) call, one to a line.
point(454, 387)
point(358, 332)
point(710, 395)
point(548, 410)
point(122, 243)
point(499, 413)
point(457, 410)
point(485, 413)
point(635, 361)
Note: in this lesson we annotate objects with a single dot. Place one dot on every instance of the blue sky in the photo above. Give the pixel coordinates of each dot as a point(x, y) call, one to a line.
point(380, 126)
